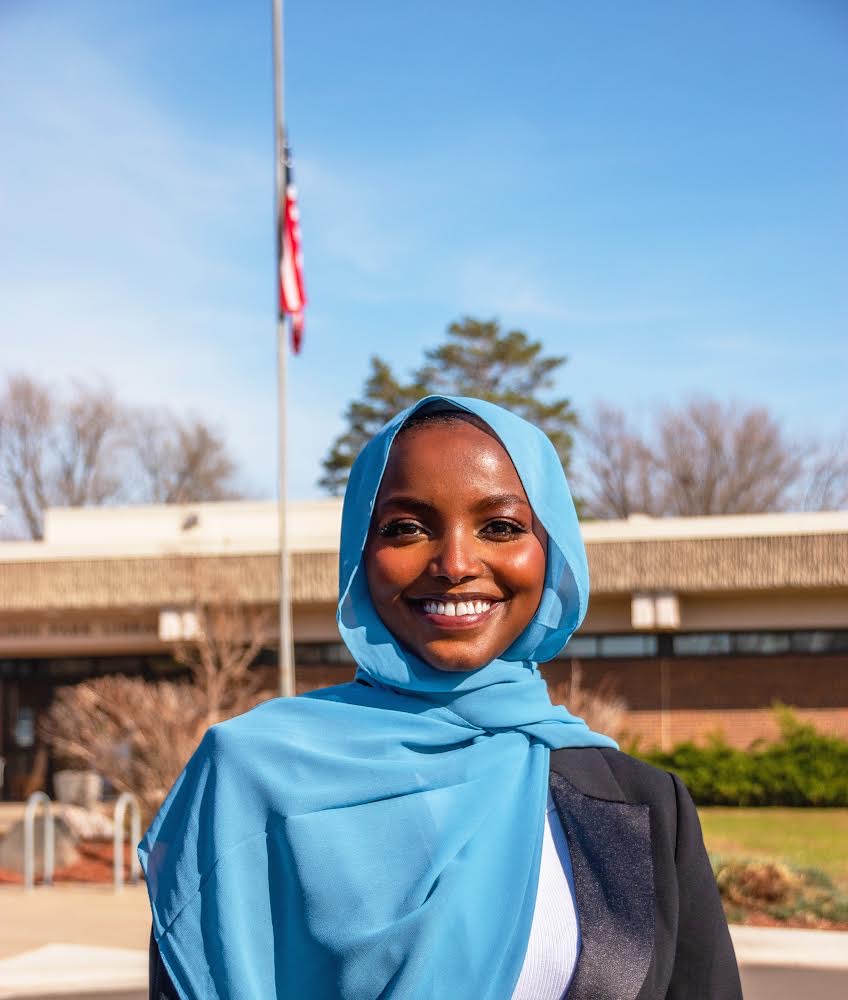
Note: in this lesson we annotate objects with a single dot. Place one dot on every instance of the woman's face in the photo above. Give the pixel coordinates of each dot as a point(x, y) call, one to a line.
point(455, 557)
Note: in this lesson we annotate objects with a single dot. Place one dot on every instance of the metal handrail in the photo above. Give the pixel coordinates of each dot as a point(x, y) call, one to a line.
point(33, 802)
point(126, 799)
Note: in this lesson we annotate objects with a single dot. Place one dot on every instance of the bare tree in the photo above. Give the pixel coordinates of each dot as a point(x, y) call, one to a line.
point(226, 639)
point(179, 460)
point(137, 734)
point(26, 426)
point(85, 448)
point(601, 708)
point(618, 475)
point(56, 452)
point(717, 458)
point(86, 455)
point(826, 481)
point(140, 734)
point(705, 457)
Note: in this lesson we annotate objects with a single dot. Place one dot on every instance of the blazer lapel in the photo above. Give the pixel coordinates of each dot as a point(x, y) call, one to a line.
point(610, 845)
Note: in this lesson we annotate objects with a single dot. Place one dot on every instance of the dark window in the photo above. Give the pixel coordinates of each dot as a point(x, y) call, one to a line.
point(628, 645)
point(585, 646)
point(636, 645)
point(701, 644)
point(811, 642)
point(761, 643)
point(321, 653)
point(838, 642)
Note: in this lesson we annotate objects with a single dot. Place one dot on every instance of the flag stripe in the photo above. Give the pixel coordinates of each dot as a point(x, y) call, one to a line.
point(292, 288)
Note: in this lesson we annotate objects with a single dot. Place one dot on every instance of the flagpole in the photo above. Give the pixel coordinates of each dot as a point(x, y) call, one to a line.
point(285, 657)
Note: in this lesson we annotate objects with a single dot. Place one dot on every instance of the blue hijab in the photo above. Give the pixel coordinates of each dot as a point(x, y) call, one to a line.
point(377, 839)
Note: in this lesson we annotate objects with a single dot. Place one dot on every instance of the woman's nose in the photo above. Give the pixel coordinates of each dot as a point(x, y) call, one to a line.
point(456, 558)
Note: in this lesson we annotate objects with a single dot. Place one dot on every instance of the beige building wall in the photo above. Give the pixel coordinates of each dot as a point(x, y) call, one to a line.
point(99, 582)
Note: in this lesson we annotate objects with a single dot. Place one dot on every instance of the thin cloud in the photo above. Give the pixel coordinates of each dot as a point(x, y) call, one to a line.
point(102, 177)
point(347, 215)
point(496, 284)
point(121, 250)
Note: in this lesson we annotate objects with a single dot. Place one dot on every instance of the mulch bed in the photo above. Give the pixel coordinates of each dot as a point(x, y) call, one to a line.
point(93, 867)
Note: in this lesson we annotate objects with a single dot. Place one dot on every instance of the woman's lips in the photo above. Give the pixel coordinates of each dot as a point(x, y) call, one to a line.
point(454, 622)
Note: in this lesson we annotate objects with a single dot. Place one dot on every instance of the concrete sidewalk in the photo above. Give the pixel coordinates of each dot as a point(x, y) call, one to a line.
point(93, 916)
point(70, 969)
point(791, 948)
point(73, 940)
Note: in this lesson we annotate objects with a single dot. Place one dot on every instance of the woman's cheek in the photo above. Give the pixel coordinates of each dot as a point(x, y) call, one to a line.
point(395, 567)
point(525, 567)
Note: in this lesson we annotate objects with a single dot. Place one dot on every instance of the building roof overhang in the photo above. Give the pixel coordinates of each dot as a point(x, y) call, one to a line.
point(685, 566)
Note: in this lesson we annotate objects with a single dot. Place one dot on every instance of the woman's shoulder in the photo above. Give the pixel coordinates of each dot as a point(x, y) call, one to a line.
point(637, 773)
point(605, 772)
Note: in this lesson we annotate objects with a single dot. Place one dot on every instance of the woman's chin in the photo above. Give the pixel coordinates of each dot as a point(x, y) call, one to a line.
point(454, 661)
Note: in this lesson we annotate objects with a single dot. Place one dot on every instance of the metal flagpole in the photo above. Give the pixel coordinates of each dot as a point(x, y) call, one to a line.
point(286, 649)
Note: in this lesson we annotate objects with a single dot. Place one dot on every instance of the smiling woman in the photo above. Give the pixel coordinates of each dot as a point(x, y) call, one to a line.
point(455, 557)
point(437, 828)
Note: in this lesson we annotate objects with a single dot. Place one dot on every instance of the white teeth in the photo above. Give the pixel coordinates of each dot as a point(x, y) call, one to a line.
point(455, 609)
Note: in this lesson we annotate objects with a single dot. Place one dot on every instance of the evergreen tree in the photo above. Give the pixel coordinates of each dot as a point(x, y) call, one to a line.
point(478, 359)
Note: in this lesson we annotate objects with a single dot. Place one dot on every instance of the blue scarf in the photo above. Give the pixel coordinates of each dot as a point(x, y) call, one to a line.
point(377, 839)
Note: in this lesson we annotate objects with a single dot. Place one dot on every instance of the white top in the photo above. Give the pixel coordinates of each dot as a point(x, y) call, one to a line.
point(555, 935)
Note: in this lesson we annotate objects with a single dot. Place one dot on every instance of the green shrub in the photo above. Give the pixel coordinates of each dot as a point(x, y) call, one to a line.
point(801, 768)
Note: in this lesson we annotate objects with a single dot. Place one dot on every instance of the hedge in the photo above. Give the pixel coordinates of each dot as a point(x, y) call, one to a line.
point(802, 768)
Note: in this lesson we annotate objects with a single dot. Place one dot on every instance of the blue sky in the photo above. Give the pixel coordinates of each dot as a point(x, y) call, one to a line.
point(656, 189)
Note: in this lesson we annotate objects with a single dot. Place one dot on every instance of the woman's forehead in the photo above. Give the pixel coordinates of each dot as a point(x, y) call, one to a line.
point(441, 456)
point(428, 417)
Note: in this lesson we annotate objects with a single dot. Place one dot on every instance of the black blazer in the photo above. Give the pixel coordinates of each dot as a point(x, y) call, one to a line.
point(651, 921)
point(650, 916)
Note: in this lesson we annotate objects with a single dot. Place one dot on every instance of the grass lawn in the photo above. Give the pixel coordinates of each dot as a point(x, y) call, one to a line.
point(810, 838)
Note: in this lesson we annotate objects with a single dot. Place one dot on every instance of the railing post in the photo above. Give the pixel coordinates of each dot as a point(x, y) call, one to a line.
point(32, 805)
point(126, 799)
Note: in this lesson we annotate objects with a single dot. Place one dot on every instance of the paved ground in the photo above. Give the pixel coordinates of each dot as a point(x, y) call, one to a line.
point(92, 916)
point(83, 943)
point(791, 947)
point(759, 982)
point(60, 970)
point(763, 983)
point(121, 995)
point(765, 986)
point(787, 964)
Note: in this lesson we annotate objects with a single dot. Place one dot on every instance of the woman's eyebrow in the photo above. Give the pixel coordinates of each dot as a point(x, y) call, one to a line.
point(501, 500)
point(407, 502)
point(422, 506)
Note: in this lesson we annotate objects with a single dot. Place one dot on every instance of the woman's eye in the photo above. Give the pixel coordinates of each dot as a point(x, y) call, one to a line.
point(400, 529)
point(502, 529)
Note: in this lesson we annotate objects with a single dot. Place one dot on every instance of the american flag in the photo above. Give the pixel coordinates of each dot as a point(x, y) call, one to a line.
point(292, 291)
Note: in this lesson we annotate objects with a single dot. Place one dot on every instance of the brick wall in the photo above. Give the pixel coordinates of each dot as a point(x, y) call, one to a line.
point(740, 727)
point(690, 698)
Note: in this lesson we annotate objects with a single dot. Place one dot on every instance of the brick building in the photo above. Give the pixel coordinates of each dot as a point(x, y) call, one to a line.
point(698, 624)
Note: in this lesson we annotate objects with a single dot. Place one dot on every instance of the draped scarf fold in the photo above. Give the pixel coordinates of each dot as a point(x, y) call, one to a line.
point(380, 838)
